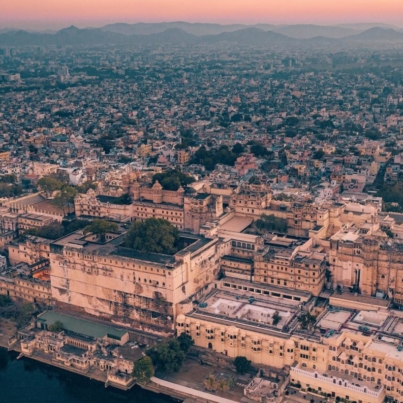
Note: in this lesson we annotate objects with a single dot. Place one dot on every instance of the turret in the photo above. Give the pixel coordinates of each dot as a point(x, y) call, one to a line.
point(157, 192)
point(135, 191)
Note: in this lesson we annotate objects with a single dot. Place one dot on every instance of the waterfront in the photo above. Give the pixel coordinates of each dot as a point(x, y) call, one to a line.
point(29, 381)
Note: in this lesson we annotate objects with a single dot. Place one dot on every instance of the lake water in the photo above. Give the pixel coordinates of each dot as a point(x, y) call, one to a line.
point(29, 381)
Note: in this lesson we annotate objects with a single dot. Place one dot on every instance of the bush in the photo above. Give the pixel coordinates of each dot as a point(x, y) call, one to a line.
point(242, 365)
point(271, 223)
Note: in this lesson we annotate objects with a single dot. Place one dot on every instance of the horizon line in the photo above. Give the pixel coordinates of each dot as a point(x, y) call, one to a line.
point(103, 23)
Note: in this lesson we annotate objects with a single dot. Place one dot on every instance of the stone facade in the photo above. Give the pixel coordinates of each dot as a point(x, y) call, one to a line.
point(183, 210)
point(141, 289)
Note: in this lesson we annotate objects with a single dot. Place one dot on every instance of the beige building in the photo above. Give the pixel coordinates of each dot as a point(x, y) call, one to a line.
point(144, 150)
point(25, 288)
point(32, 221)
point(183, 210)
point(367, 262)
point(292, 264)
point(182, 156)
point(346, 354)
point(143, 290)
point(31, 250)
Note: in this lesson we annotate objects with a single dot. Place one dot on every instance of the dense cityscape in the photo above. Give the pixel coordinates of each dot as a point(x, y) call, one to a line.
point(216, 220)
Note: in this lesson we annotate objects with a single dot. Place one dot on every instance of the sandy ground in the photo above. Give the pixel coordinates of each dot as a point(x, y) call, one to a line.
point(192, 375)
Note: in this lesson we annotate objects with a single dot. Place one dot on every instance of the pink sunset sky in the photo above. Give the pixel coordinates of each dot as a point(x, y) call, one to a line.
point(59, 13)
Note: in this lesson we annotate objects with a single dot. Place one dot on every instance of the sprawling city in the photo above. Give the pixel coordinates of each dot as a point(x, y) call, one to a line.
point(203, 212)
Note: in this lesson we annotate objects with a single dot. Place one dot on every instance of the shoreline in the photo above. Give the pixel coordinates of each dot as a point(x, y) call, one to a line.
point(156, 385)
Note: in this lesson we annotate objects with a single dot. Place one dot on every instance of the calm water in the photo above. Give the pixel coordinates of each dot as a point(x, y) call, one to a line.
point(28, 381)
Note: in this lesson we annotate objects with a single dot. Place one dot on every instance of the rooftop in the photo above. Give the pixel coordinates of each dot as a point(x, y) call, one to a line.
point(81, 326)
point(145, 256)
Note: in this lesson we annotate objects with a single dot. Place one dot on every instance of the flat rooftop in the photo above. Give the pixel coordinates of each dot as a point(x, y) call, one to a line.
point(334, 320)
point(245, 310)
point(81, 326)
point(348, 297)
point(252, 327)
point(371, 318)
point(387, 348)
point(237, 224)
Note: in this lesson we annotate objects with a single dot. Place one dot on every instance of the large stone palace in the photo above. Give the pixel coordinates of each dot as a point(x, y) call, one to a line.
point(321, 299)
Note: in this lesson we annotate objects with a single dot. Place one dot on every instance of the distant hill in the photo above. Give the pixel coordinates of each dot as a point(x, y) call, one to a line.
point(364, 26)
point(251, 36)
point(171, 35)
point(5, 30)
point(265, 27)
point(300, 35)
point(378, 34)
point(198, 29)
point(66, 36)
point(311, 31)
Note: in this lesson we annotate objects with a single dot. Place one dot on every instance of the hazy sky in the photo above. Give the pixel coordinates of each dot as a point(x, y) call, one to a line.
point(58, 13)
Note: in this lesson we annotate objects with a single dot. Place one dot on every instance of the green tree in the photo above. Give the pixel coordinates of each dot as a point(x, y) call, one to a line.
point(86, 186)
point(101, 228)
point(167, 357)
point(5, 300)
point(51, 231)
point(291, 133)
point(372, 134)
point(292, 121)
point(173, 179)
point(56, 327)
point(242, 365)
point(307, 320)
point(9, 190)
point(259, 150)
point(74, 225)
point(185, 342)
point(153, 235)
point(271, 223)
point(123, 199)
point(65, 198)
point(49, 184)
point(318, 155)
point(143, 369)
point(276, 318)
point(238, 148)
point(24, 314)
point(8, 178)
point(210, 158)
point(237, 117)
